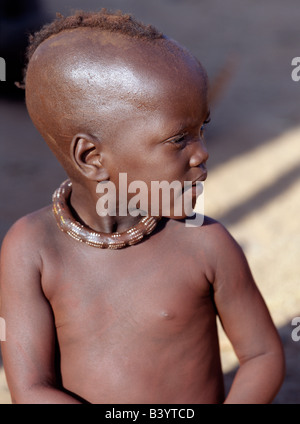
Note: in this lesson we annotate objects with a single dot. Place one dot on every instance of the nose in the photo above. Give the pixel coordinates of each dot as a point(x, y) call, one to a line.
point(199, 154)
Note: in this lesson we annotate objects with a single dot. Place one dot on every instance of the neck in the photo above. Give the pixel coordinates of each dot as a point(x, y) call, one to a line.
point(83, 202)
point(79, 231)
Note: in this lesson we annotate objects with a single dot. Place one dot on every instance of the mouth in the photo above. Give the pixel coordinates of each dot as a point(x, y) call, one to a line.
point(196, 189)
point(202, 177)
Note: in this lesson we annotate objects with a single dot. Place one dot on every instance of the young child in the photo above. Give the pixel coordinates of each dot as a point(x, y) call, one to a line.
point(121, 308)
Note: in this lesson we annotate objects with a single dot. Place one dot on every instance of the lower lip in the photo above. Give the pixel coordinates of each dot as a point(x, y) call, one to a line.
point(195, 189)
point(195, 192)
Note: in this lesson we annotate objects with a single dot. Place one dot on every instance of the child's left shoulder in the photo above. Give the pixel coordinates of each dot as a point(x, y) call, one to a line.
point(206, 231)
point(217, 233)
point(210, 240)
point(218, 240)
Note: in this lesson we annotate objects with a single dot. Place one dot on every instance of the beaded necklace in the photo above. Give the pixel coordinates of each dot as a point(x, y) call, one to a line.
point(68, 224)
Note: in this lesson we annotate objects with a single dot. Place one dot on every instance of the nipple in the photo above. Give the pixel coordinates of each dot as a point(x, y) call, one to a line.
point(167, 315)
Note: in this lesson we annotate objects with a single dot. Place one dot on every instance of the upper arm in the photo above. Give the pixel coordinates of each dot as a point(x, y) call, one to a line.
point(29, 350)
point(241, 308)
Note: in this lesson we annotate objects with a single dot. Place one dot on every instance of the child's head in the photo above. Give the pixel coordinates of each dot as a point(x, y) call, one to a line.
point(111, 95)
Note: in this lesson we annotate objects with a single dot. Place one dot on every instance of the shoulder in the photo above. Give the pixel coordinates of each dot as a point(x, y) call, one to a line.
point(26, 236)
point(217, 234)
point(205, 232)
point(218, 241)
point(225, 256)
point(210, 243)
point(30, 226)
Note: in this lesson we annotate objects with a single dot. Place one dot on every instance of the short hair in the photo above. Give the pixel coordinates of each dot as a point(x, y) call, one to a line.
point(104, 19)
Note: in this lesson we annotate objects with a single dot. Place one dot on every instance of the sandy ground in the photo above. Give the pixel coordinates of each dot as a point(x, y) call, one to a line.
point(253, 140)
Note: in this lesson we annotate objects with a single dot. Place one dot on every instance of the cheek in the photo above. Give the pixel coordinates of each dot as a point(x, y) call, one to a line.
point(154, 163)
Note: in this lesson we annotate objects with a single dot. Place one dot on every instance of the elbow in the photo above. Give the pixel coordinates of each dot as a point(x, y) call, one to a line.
point(276, 360)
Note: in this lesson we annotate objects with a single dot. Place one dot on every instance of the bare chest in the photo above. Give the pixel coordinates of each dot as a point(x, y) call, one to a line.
point(125, 293)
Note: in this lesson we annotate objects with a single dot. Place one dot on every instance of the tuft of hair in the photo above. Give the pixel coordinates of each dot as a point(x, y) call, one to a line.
point(104, 19)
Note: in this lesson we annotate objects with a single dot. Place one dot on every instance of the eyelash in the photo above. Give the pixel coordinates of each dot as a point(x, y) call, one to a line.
point(181, 138)
point(207, 121)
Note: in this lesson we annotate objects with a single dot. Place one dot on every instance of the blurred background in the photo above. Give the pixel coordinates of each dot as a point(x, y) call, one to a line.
point(253, 139)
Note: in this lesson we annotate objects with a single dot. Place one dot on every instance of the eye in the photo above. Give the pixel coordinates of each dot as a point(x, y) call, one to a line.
point(179, 140)
point(202, 128)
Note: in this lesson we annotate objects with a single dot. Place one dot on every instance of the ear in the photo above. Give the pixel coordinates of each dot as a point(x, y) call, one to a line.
point(87, 157)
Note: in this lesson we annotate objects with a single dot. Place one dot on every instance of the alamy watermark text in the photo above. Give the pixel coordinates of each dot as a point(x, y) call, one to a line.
point(296, 71)
point(296, 331)
point(2, 69)
point(2, 330)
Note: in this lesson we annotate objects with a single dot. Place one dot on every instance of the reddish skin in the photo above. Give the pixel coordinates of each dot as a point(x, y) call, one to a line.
point(137, 325)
